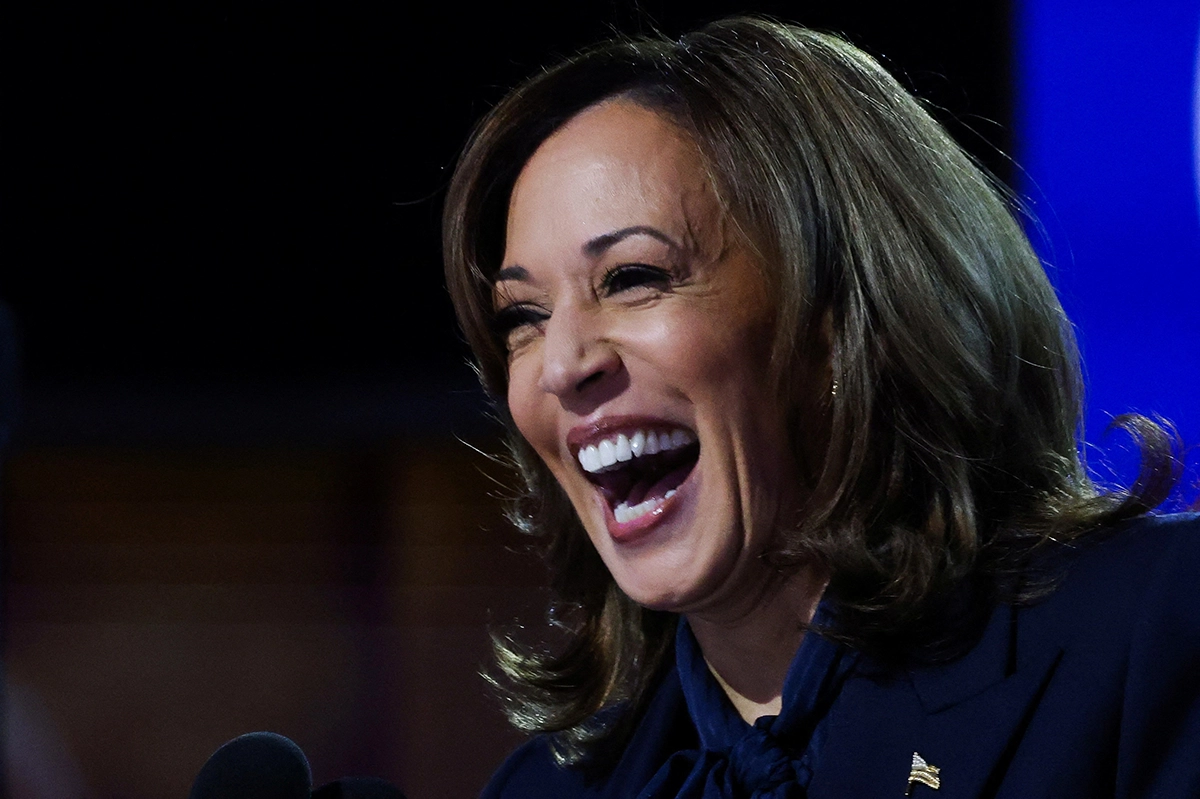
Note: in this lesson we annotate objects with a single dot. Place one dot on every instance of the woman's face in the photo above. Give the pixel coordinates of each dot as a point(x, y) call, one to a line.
point(639, 330)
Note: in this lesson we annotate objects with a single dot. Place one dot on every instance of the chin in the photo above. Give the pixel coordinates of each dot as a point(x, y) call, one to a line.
point(668, 575)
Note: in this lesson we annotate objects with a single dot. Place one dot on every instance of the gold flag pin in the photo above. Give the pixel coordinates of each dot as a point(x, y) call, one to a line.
point(923, 773)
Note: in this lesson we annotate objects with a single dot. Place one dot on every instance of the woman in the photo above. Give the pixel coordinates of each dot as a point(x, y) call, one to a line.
point(795, 408)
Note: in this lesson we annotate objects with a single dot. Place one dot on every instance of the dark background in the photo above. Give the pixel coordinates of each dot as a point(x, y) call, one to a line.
point(253, 190)
point(240, 493)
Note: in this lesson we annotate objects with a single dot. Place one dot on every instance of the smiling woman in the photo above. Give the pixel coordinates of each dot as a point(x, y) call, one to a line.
point(634, 321)
point(795, 408)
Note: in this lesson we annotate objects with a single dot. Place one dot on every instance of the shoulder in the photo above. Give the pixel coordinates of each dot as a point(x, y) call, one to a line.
point(531, 772)
point(1119, 588)
point(1090, 691)
point(1126, 622)
point(663, 727)
point(1134, 568)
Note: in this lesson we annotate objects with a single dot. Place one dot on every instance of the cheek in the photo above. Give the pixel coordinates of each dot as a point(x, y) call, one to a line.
point(726, 365)
point(526, 404)
point(520, 401)
point(716, 342)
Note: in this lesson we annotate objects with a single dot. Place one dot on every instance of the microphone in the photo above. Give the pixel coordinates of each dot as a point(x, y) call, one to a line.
point(264, 765)
point(257, 765)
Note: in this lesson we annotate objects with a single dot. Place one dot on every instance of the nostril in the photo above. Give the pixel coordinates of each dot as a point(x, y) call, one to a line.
point(576, 375)
point(589, 381)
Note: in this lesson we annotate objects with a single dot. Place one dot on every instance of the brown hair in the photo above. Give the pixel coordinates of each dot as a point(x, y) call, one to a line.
point(949, 444)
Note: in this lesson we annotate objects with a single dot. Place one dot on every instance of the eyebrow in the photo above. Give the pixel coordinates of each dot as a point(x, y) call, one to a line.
point(598, 245)
point(512, 273)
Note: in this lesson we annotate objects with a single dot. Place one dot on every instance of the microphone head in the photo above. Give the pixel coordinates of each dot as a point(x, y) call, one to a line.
point(358, 788)
point(257, 765)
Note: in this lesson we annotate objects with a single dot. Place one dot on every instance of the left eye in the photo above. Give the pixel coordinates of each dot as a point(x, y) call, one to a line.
point(629, 276)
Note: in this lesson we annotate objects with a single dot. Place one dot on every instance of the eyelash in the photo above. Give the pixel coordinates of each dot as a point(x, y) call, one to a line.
point(515, 316)
point(616, 280)
point(642, 275)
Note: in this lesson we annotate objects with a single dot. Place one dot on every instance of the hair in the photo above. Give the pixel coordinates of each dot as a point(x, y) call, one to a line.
point(949, 428)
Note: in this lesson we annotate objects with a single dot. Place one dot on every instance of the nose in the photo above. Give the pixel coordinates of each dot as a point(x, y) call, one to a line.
point(577, 355)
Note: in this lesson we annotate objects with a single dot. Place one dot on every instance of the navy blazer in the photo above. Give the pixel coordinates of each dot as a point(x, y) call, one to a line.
point(1092, 692)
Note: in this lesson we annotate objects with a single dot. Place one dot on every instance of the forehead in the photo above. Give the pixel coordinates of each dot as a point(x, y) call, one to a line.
point(614, 165)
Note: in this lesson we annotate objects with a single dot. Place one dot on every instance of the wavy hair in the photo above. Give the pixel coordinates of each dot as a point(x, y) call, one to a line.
point(948, 428)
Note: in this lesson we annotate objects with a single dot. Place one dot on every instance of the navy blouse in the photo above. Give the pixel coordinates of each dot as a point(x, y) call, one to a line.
point(773, 759)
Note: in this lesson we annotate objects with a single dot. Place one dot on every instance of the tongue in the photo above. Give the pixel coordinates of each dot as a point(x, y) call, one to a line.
point(645, 489)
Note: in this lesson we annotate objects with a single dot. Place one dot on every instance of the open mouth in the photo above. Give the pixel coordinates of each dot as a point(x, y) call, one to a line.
point(639, 471)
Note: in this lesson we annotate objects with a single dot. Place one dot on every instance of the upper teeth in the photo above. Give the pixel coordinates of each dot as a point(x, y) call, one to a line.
point(604, 453)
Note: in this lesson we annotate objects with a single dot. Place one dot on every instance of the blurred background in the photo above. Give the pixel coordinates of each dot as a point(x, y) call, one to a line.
point(243, 485)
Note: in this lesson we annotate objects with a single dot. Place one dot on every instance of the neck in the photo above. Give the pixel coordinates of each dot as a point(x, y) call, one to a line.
point(750, 649)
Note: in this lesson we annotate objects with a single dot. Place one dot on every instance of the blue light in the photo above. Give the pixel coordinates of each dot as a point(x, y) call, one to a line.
point(1108, 131)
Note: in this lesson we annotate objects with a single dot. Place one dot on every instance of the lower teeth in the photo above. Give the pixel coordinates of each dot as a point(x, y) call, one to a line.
point(624, 514)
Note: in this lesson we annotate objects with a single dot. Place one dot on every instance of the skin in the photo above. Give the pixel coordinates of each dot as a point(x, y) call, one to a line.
point(634, 303)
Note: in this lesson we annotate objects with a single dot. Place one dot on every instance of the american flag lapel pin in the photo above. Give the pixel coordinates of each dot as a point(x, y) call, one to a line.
point(923, 773)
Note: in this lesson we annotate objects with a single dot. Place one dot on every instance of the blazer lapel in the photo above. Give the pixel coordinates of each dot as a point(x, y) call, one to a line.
point(963, 718)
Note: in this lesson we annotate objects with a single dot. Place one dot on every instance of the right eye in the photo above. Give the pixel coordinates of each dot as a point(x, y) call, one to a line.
point(514, 322)
point(632, 276)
